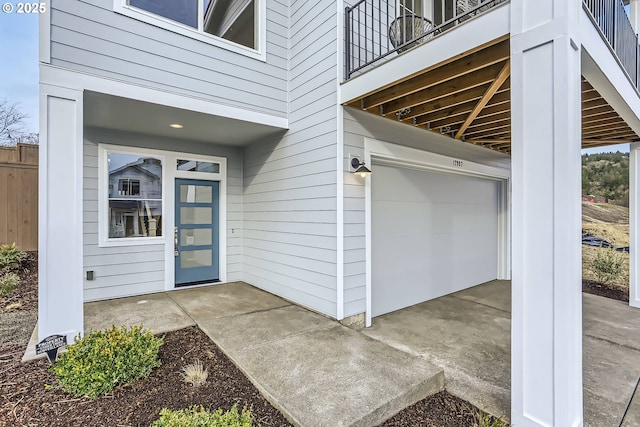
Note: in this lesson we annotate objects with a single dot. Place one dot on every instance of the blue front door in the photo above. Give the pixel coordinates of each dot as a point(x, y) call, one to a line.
point(196, 235)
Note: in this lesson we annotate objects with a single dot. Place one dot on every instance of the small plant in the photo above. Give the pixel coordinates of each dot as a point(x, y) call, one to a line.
point(195, 373)
point(11, 257)
point(96, 364)
point(486, 420)
point(8, 282)
point(197, 416)
point(607, 265)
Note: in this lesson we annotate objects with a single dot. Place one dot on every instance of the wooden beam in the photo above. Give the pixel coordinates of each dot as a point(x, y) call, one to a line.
point(599, 117)
point(459, 84)
point(491, 118)
point(449, 101)
point(502, 77)
point(611, 133)
point(504, 126)
point(468, 63)
point(610, 123)
point(504, 133)
point(464, 108)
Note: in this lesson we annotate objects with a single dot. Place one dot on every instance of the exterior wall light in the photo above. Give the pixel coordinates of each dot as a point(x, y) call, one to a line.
point(360, 168)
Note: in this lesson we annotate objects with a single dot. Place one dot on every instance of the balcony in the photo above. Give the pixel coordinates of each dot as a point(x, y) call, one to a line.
point(466, 95)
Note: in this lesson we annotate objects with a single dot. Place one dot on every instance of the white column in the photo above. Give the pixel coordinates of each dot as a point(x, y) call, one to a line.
point(634, 221)
point(60, 284)
point(634, 15)
point(546, 349)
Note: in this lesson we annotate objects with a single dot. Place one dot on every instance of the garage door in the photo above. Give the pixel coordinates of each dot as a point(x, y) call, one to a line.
point(432, 234)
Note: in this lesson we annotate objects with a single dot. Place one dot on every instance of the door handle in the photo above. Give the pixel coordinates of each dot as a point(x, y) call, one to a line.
point(176, 252)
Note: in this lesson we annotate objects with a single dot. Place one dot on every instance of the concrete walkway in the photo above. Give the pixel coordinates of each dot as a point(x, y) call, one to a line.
point(468, 334)
point(320, 373)
point(316, 371)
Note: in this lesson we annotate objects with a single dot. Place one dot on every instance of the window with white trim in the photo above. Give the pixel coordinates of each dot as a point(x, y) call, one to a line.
point(134, 200)
point(232, 20)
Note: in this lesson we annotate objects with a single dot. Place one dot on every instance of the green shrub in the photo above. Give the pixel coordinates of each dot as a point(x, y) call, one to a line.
point(486, 420)
point(607, 265)
point(197, 416)
point(10, 257)
point(96, 364)
point(8, 282)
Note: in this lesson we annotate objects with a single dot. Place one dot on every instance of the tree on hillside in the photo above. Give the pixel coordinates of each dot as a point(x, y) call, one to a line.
point(606, 175)
point(12, 126)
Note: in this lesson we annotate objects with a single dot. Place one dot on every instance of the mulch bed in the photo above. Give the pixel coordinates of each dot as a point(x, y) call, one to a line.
point(439, 410)
point(595, 288)
point(25, 296)
point(28, 402)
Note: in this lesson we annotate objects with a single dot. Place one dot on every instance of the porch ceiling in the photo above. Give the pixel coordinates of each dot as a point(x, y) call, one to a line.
point(468, 98)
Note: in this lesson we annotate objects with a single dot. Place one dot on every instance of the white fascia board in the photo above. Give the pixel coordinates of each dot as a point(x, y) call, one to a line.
point(57, 76)
point(605, 74)
point(476, 32)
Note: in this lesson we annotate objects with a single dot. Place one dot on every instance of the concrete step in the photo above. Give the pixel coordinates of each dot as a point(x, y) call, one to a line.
point(320, 373)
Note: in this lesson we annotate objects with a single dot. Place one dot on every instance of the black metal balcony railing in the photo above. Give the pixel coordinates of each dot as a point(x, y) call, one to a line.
point(611, 18)
point(375, 29)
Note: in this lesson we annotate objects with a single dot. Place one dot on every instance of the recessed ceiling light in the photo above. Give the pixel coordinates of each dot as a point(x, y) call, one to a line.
point(176, 125)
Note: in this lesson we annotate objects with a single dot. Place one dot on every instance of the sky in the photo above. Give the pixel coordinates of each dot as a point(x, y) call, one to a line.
point(19, 64)
point(19, 69)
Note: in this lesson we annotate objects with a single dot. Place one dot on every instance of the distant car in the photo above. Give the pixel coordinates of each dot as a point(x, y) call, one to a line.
point(590, 240)
point(624, 249)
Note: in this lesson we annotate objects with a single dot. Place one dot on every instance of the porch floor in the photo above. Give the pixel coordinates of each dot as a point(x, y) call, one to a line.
point(288, 351)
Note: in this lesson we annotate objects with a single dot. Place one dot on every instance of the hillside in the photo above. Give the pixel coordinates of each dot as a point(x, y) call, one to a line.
point(606, 175)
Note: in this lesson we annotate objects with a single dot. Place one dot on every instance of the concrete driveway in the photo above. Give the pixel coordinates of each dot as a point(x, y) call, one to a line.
point(468, 335)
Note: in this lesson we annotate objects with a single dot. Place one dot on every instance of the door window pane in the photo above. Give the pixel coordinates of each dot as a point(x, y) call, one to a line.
point(200, 258)
point(195, 215)
point(195, 237)
point(195, 194)
point(196, 166)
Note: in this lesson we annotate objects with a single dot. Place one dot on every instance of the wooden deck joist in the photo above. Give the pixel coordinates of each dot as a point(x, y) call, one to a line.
point(468, 97)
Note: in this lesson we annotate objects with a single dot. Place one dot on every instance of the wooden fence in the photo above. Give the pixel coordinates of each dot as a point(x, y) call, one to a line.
point(19, 196)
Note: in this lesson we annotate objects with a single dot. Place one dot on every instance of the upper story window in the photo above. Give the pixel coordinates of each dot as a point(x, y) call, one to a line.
point(237, 23)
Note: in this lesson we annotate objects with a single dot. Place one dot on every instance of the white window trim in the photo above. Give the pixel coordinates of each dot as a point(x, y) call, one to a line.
point(121, 6)
point(103, 197)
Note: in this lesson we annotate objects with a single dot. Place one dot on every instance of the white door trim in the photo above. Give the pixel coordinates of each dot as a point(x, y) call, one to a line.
point(393, 154)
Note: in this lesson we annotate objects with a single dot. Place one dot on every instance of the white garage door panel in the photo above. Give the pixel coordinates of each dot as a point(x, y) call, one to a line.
point(432, 234)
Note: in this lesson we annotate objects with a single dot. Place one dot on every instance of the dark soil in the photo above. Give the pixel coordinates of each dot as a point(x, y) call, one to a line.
point(439, 410)
point(613, 292)
point(25, 296)
point(25, 399)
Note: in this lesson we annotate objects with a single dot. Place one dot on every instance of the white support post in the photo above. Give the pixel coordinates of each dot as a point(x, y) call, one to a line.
point(634, 221)
point(60, 270)
point(634, 14)
point(546, 349)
